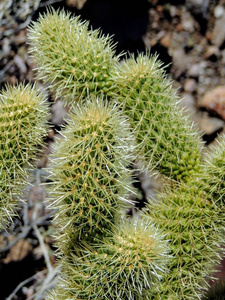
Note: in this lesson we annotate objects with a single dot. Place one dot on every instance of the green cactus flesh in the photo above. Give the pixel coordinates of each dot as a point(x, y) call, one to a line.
point(127, 266)
point(75, 61)
point(91, 173)
point(23, 123)
point(192, 224)
point(214, 179)
point(166, 138)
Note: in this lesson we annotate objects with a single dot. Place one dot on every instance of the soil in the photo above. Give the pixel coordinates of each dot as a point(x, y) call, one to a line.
point(189, 38)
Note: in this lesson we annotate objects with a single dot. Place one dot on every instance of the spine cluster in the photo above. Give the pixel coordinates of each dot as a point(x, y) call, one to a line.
point(23, 124)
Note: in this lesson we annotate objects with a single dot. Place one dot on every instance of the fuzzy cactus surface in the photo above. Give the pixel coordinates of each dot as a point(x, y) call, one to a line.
point(215, 172)
point(75, 61)
point(194, 225)
point(167, 140)
point(129, 265)
point(91, 174)
point(23, 123)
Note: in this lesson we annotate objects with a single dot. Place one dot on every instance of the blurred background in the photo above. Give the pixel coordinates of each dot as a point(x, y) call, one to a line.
point(189, 38)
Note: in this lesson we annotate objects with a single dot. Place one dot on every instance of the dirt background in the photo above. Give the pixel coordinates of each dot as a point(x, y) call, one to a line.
point(189, 37)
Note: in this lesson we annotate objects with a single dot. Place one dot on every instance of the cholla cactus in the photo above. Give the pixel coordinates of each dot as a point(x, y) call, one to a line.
point(91, 172)
point(23, 123)
point(129, 265)
point(215, 172)
point(76, 62)
point(188, 211)
point(167, 140)
point(194, 226)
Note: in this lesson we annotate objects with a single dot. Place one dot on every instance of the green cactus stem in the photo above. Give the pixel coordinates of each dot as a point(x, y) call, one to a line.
point(74, 61)
point(167, 140)
point(127, 266)
point(23, 123)
point(191, 222)
point(214, 179)
point(90, 173)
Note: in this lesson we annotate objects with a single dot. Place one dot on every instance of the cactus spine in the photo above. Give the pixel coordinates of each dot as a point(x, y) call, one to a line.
point(186, 212)
point(23, 123)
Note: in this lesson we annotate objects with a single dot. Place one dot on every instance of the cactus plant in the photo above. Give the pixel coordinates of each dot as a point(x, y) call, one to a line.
point(167, 140)
point(23, 123)
point(187, 211)
point(85, 64)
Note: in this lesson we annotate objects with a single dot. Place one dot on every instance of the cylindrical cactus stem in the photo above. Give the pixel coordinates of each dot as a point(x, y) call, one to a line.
point(167, 140)
point(191, 222)
point(74, 61)
point(90, 173)
point(129, 265)
point(23, 124)
point(214, 172)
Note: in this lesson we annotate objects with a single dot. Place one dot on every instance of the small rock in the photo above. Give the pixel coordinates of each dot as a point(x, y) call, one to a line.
point(193, 71)
point(20, 64)
point(188, 101)
point(59, 113)
point(21, 37)
point(173, 11)
point(190, 85)
point(180, 62)
point(5, 46)
point(212, 52)
point(19, 251)
point(187, 22)
point(166, 39)
point(214, 100)
point(76, 3)
point(210, 125)
point(218, 34)
point(219, 11)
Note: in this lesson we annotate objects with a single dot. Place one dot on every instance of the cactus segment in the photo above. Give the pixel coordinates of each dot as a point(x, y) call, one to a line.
point(167, 140)
point(128, 266)
point(192, 224)
point(23, 124)
point(74, 61)
point(90, 173)
point(214, 180)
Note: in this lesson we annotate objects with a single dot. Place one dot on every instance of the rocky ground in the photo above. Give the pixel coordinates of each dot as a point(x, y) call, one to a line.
point(189, 37)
